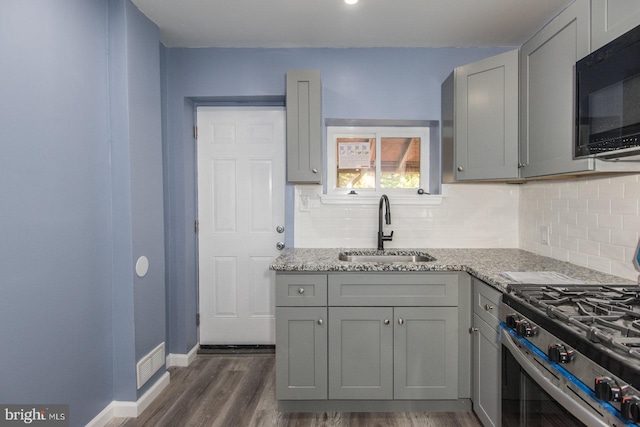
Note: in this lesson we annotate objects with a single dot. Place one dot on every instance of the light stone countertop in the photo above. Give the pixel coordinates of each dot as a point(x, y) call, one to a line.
point(485, 264)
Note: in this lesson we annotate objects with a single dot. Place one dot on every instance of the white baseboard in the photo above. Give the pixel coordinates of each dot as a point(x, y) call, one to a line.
point(182, 360)
point(118, 409)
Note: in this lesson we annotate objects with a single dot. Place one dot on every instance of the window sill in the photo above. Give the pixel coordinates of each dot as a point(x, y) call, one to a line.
point(374, 199)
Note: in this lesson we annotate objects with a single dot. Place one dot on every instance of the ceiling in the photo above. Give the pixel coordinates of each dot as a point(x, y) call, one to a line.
point(332, 23)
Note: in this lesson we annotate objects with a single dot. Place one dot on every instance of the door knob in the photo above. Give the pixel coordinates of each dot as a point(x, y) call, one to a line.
point(280, 246)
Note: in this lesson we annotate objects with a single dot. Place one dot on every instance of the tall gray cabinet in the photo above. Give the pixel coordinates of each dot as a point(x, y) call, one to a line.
point(486, 354)
point(480, 120)
point(547, 94)
point(304, 126)
point(611, 19)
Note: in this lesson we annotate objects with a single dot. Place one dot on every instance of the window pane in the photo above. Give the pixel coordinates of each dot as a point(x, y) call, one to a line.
point(356, 160)
point(400, 163)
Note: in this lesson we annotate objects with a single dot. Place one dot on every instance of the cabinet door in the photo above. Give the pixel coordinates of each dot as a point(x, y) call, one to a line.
point(301, 356)
point(486, 118)
point(304, 126)
point(611, 19)
point(426, 353)
point(486, 373)
point(547, 94)
point(360, 353)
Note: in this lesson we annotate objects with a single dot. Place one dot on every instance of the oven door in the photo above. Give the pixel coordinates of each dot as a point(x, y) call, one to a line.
point(535, 394)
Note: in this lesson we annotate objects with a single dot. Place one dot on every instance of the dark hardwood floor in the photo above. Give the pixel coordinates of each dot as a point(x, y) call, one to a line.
point(239, 391)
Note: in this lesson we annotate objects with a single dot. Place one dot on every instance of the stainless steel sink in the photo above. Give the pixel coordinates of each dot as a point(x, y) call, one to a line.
point(384, 257)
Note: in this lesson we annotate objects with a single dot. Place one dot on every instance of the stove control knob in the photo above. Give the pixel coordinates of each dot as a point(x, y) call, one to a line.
point(607, 389)
point(558, 353)
point(512, 320)
point(631, 408)
point(524, 328)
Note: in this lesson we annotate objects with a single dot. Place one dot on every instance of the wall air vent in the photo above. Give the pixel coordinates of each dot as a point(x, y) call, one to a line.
point(149, 365)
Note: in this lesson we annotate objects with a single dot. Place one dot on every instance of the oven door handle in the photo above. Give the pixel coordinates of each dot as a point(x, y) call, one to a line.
point(552, 390)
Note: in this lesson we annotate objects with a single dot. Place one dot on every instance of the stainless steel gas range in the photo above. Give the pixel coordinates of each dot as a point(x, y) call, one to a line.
point(571, 355)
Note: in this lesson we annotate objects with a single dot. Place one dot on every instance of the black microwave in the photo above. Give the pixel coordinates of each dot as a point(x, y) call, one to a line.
point(608, 99)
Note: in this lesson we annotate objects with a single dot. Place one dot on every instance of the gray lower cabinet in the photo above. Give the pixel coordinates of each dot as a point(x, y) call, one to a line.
point(361, 353)
point(486, 354)
point(393, 353)
point(301, 358)
point(351, 341)
point(425, 353)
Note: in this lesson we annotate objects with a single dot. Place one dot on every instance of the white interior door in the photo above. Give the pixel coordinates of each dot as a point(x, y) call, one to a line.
point(241, 183)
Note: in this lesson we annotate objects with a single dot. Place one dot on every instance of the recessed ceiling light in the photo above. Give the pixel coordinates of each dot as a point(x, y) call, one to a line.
point(351, 1)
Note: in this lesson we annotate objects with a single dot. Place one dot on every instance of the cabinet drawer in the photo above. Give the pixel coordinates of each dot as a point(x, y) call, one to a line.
point(486, 302)
point(302, 290)
point(393, 289)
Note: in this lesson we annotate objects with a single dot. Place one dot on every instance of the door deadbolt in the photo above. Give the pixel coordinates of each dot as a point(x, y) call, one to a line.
point(280, 229)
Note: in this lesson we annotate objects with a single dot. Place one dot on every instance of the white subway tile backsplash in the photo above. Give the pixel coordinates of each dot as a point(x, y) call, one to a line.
point(624, 206)
point(610, 221)
point(588, 247)
point(483, 215)
point(607, 221)
point(612, 252)
point(593, 222)
point(631, 223)
point(599, 205)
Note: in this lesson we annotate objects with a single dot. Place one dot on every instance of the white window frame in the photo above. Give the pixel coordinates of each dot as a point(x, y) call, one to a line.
point(377, 132)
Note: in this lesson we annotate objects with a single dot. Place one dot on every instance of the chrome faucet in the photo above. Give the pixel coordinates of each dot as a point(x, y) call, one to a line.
point(387, 218)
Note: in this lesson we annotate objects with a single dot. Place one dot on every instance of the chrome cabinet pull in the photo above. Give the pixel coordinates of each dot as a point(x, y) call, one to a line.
point(386, 321)
point(488, 307)
point(472, 330)
point(320, 322)
point(301, 291)
point(400, 322)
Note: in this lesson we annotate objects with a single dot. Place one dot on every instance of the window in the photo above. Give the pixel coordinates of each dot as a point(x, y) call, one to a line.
point(376, 160)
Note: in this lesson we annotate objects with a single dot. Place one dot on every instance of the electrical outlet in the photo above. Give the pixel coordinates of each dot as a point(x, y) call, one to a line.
point(544, 234)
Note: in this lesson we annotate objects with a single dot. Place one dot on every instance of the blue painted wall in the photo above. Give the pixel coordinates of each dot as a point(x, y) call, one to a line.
point(82, 199)
point(374, 83)
point(136, 170)
point(55, 228)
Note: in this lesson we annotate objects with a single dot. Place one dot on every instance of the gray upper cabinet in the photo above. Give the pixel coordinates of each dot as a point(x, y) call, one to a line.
point(480, 120)
point(547, 94)
point(304, 126)
point(612, 18)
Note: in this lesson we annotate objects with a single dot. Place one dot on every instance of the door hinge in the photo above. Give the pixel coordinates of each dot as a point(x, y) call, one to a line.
point(197, 319)
point(197, 226)
point(195, 132)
